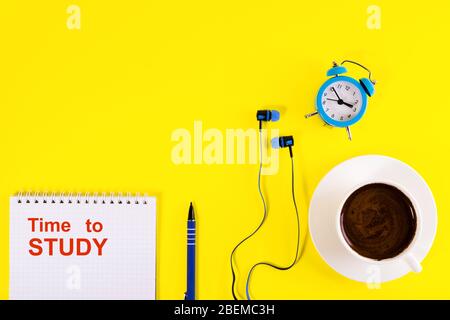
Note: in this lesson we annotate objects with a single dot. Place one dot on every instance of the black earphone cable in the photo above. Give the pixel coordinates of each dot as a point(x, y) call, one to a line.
point(298, 234)
point(262, 220)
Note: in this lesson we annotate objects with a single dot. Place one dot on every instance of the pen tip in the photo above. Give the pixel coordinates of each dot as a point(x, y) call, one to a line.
point(191, 215)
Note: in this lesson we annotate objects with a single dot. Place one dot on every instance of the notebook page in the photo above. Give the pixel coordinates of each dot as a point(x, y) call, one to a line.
point(82, 247)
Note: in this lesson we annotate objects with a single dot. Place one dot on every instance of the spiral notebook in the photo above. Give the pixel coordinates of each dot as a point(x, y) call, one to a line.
point(82, 247)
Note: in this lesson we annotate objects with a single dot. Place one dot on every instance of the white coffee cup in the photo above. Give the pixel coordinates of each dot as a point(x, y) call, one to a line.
point(406, 255)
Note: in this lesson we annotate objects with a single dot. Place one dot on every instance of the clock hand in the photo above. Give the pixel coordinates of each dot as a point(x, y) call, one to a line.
point(347, 104)
point(335, 92)
point(341, 102)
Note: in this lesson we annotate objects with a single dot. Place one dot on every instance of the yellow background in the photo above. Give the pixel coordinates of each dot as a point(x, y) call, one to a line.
point(93, 110)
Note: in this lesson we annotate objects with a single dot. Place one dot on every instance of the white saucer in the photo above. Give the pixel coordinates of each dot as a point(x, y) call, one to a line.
point(328, 197)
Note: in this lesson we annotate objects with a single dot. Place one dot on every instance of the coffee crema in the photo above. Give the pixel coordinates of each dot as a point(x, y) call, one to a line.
point(378, 221)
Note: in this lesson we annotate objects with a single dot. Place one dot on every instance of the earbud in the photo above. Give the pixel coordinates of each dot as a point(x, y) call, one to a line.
point(267, 115)
point(283, 142)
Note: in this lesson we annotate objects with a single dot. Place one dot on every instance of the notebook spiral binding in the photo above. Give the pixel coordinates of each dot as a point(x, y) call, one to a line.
point(79, 198)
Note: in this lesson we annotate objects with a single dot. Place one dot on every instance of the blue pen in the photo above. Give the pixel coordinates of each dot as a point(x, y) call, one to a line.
point(190, 292)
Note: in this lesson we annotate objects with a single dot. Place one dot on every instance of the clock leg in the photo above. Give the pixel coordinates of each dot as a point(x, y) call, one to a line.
point(310, 114)
point(349, 133)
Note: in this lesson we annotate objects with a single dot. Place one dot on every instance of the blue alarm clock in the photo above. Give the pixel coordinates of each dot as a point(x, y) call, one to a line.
point(342, 100)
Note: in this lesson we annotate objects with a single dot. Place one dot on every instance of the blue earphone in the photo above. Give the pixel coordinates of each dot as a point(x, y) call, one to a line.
point(277, 142)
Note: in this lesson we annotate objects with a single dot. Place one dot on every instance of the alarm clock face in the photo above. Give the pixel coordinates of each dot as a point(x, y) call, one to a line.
point(341, 101)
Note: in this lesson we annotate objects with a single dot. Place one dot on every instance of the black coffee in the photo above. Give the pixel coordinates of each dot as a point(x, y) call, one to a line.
point(378, 221)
